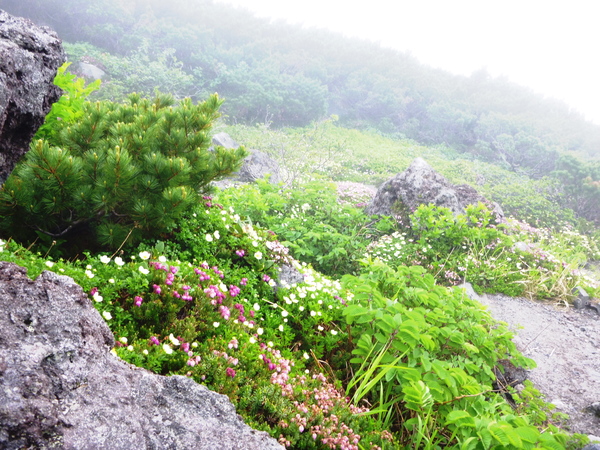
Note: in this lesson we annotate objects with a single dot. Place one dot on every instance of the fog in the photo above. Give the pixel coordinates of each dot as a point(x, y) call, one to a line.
point(547, 46)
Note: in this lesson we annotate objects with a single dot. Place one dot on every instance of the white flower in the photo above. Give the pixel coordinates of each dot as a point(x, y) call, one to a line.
point(334, 332)
point(216, 324)
point(167, 348)
point(301, 308)
point(145, 255)
point(256, 307)
point(50, 264)
point(123, 340)
point(254, 243)
point(111, 280)
point(209, 237)
point(194, 344)
point(119, 261)
point(162, 258)
point(88, 267)
point(272, 283)
point(105, 259)
point(313, 313)
point(320, 328)
point(258, 255)
point(306, 355)
point(130, 348)
point(145, 352)
point(97, 297)
point(260, 331)
point(252, 340)
point(174, 340)
point(280, 327)
point(143, 270)
point(284, 313)
point(217, 235)
point(107, 315)
point(89, 274)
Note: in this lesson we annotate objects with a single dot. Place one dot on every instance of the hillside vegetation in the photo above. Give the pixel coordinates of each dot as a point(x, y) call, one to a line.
point(285, 75)
point(326, 327)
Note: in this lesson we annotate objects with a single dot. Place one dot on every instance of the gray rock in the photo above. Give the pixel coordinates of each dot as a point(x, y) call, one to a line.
point(523, 247)
point(507, 374)
point(582, 298)
point(29, 58)
point(61, 387)
point(224, 140)
point(288, 275)
point(591, 447)
point(594, 408)
point(595, 306)
point(256, 166)
point(89, 71)
point(420, 184)
point(468, 287)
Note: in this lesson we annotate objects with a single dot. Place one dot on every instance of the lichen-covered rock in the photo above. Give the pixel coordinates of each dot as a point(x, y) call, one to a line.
point(60, 387)
point(29, 58)
point(420, 184)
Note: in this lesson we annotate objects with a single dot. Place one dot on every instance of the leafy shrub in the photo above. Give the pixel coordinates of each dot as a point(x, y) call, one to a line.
point(472, 248)
point(121, 172)
point(311, 221)
point(424, 358)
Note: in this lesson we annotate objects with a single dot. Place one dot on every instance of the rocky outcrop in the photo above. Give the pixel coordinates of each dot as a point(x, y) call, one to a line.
point(60, 387)
point(256, 166)
point(29, 58)
point(420, 184)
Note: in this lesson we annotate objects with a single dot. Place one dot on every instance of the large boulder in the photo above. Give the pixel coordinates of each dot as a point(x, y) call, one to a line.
point(29, 58)
point(60, 386)
point(420, 184)
point(256, 166)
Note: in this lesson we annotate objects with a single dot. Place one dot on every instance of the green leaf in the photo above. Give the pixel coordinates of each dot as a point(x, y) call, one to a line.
point(427, 342)
point(528, 434)
point(498, 434)
point(461, 418)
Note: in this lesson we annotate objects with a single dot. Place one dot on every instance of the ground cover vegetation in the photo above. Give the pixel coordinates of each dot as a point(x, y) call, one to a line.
point(369, 345)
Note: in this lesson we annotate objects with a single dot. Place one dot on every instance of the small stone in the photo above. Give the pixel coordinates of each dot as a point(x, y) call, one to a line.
point(582, 298)
point(594, 408)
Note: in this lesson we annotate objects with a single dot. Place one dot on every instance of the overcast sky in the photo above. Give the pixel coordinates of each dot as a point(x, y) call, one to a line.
point(550, 46)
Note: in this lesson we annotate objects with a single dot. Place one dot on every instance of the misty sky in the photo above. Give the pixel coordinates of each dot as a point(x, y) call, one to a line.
point(549, 46)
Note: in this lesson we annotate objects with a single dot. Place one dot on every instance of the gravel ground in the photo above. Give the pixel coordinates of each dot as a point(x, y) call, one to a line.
point(565, 344)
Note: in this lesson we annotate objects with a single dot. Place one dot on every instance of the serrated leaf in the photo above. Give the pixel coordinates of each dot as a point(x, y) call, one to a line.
point(458, 416)
point(498, 434)
point(427, 342)
point(528, 434)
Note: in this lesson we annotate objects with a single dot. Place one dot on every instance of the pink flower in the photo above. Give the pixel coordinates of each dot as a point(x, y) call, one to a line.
point(93, 291)
point(266, 278)
point(230, 372)
point(225, 313)
point(234, 290)
point(244, 281)
point(154, 341)
point(156, 289)
point(137, 300)
point(185, 347)
point(240, 253)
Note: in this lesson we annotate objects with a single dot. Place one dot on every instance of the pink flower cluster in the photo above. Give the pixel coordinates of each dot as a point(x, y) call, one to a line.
point(279, 252)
